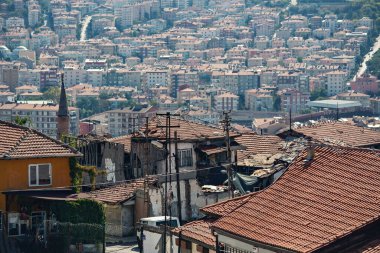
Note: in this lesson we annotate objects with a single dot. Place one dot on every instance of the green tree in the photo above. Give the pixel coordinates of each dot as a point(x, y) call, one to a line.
point(22, 121)
point(318, 94)
point(52, 94)
point(277, 103)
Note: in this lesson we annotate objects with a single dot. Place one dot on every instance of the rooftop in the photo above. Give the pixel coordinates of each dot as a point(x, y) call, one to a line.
point(198, 231)
point(313, 204)
point(333, 104)
point(340, 133)
point(115, 194)
point(18, 142)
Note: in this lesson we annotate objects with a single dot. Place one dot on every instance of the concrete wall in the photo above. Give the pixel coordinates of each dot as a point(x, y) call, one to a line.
point(236, 244)
point(120, 220)
point(192, 199)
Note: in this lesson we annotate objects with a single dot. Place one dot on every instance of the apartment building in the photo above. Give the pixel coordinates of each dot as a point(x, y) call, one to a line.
point(366, 83)
point(294, 100)
point(125, 121)
point(152, 77)
point(258, 100)
point(42, 117)
point(226, 102)
point(354, 96)
point(336, 82)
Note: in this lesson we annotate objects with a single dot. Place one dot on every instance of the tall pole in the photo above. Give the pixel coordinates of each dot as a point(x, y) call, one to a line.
point(227, 123)
point(337, 111)
point(166, 181)
point(179, 206)
point(167, 127)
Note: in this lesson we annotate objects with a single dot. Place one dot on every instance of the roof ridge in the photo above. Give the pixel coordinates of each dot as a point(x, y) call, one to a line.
point(31, 130)
point(23, 137)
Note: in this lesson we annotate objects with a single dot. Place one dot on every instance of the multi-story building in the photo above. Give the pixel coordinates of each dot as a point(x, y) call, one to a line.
point(354, 96)
point(73, 75)
point(42, 117)
point(34, 14)
point(226, 102)
point(288, 80)
point(124, 121)
point(14, 22)
point(366, 83)
point(375, 105)
point(153, 77)
point(258, 100)
point(294, 100)
point(336, 82)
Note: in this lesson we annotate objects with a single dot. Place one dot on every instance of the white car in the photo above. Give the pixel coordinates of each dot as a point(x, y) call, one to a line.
point(157, 221)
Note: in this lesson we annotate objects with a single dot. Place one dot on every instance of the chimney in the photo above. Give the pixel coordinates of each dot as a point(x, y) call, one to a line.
point(310, 151)
point(63, 117)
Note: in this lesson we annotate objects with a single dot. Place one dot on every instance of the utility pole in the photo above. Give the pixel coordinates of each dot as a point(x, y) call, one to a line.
point(167, 127)
point(179, 207)
point(337, 111)
point(226, 127)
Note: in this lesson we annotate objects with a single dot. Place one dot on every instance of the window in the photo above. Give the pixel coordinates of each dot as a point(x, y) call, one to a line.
point(16, 225)
point(185, 157)
point(39, 174)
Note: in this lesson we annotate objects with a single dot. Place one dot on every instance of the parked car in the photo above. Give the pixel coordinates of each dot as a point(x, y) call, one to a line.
point(157, 221)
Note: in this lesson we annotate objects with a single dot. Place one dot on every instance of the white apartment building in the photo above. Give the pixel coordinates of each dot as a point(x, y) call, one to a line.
point(43, 117)
point(96, 77)
point(226, 102)
point(336, 82)
point(74, 75)
point(153, 77)
point(125, 121)
point(34, 14)
point(14, 22)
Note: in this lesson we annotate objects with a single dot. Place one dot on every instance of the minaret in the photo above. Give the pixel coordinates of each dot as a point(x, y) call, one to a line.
point(63, 117)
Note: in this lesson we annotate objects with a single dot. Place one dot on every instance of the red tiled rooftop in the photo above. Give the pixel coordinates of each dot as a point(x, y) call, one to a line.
point(259, 144)
point(115, 194)
point(198, 231)
point(339, 133)
point(19, 142)
point(314, 203)
point(225, 207)
point(187, 130)
point(125, 140)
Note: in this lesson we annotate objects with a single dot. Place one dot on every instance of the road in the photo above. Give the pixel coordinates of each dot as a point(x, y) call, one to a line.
point(85, 24)
point(122, 249)
point(368, 57)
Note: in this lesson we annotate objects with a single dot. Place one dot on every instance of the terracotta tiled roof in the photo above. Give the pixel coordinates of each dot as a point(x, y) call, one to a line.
point(225, 207)
point(115, 194)
point(372, 247)
point(198, 231)
point(125, 140)
point(187, 130)
point(19, 142)
point(314, 203)
point(260, 144)
point(343, 134)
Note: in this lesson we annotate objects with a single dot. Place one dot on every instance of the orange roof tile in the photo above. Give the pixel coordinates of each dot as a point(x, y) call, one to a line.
point(18, 142)
point(225, 207)
point(314, 203)
point(260, 144)
point(186, 131)
point(198, 231)
point(339, 133)
point(115, 194)
point(125, 140)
